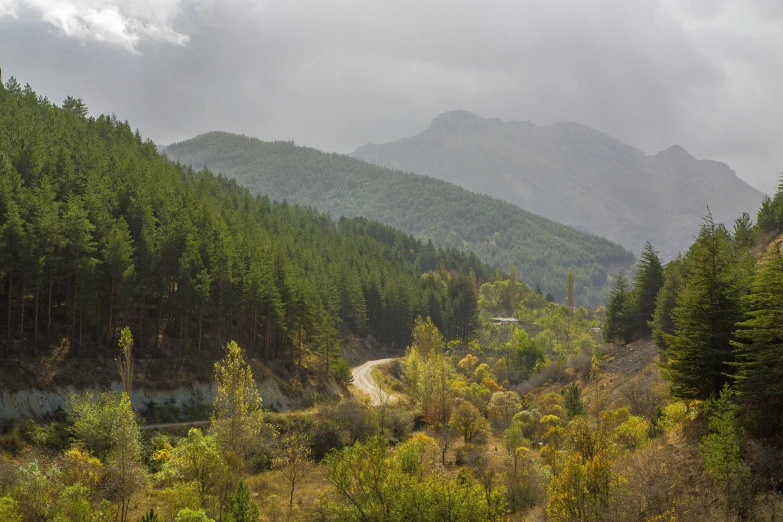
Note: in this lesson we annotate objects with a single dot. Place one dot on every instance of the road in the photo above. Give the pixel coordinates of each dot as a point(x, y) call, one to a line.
point(362, 379)
point(167, 425)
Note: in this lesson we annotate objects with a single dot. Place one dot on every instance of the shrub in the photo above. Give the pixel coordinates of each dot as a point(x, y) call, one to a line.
point(326, 437)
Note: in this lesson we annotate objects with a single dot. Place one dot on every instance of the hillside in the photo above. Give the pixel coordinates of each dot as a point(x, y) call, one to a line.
point(499, 233)
point(98, 231)
point(576, 175)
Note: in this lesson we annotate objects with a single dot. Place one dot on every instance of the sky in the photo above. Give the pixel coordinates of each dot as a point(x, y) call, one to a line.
point(336, 74)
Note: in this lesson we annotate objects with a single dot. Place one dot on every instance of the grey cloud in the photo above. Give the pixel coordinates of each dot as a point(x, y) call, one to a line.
point(336, 75)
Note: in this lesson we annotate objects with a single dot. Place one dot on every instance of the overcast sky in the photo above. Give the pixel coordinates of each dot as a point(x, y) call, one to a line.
point(705, 74)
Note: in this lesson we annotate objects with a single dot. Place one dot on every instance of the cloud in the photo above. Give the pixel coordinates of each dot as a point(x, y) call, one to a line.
point(704, 74)
point(124, 23)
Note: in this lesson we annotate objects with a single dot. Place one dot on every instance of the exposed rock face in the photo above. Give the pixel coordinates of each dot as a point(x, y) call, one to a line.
point(576, 175)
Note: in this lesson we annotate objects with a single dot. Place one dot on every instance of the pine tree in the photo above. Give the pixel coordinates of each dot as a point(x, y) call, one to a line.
point(241, 508)
point(662, 324)
point(700, 351)
point(618, 326)
point(647, 284)
point(744, 233)
point(759, 346)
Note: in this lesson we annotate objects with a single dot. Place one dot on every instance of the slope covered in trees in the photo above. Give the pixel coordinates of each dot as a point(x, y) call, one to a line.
point(97, 231)
point(499, 233)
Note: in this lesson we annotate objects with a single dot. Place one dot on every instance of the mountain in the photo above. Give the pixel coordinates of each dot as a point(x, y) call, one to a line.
point(576, 175)
point(498, 232)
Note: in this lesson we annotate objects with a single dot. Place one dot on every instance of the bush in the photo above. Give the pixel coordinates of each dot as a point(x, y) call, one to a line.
point(192, 515)
point(342, 371)
point(355, 418)
point(326, 437)
point(399, 422)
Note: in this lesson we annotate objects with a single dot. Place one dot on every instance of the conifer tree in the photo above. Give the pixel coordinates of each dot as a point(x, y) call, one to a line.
point(647, 284)
point(662, 324)
point(700, 351)
point(744, 233)
point(759, 346)
point(618, 326)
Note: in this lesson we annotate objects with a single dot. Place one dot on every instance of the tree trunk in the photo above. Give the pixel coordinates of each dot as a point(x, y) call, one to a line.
point(72, 341)
point(268, 331)
point(110, 331)
point(49, 316)
point(299, 352)
point(21, 319)
point(35, 321)
point(200, 320)
point(254, 329)
point(8, 330)
point(141, 321)
point(181, 335)
point(81, 324)
point(158, 340)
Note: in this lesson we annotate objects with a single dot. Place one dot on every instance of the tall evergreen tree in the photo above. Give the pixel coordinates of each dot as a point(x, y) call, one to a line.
point(744, 233)
point(662, 324)
point(700, 352)
point(618, 326)
point(647, 284)
point(759, 346)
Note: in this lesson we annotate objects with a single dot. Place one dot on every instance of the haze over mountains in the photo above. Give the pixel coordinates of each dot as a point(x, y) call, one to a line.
point(576, 175)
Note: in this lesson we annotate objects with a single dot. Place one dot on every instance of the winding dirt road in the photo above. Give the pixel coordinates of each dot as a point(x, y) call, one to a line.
point(362, 379)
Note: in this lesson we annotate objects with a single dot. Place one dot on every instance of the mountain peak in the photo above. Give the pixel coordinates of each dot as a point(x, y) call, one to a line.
point(457, 118)
point(675, 153)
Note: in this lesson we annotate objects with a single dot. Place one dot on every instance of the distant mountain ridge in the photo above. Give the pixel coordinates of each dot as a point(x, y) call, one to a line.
point(574, 174)
point(498, 232)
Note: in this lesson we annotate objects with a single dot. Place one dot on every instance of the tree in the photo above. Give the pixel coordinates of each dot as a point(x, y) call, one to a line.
point(744, 234)
point(75, 105)
point(759, 346)
point(512, 289)
point(427, 339)
point(468, 421)
point(292, 460)
point(241, 508)
point(125, 360)
point(618, 326)
point(503, 406)
point(236, 410)
point(514, 442)
point(570, 298)
point(662, 324)
point(126, 470)
point(646, 286)
point(700, 352)
point(722, 447)
point(37, 491)
point(197, 459)
point(572, 400)
point(119, 268)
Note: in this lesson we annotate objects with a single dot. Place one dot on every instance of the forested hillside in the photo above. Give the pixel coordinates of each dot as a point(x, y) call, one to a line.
point(499, 233)
point(98, 231)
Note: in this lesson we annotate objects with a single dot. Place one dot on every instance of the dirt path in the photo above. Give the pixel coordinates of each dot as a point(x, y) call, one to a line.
point(363, 380)
point(630, 359)
point(192, 424)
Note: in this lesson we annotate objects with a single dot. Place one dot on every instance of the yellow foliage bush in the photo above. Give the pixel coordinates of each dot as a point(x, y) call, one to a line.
point(80, 467)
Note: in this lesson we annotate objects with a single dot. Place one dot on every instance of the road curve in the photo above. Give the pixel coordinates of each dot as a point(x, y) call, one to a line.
point(362, 379)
